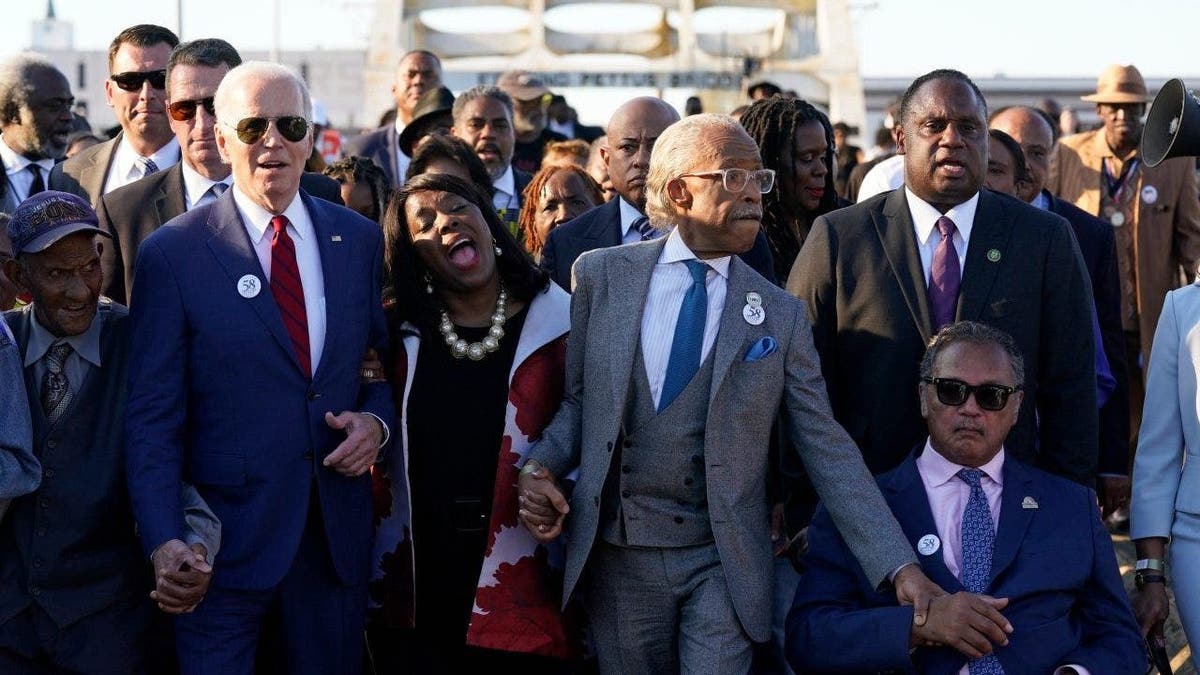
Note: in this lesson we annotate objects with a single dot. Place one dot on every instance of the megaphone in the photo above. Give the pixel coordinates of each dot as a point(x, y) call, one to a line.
point(1173, 126)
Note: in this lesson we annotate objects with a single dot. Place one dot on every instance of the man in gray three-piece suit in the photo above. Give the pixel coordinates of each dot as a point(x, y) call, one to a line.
point(679, 359)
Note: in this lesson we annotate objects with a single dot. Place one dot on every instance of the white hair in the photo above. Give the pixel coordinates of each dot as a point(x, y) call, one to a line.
point(680, 148)
point(259, 70)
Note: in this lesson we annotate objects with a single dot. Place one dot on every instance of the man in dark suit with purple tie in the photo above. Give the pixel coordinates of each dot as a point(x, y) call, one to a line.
point(249, 319)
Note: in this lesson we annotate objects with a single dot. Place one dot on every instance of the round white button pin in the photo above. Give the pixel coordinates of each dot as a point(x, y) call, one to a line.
point(929, 544)
point(249, 286)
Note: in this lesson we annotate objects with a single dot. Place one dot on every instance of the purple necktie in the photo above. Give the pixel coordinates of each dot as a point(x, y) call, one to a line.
point(945, 277)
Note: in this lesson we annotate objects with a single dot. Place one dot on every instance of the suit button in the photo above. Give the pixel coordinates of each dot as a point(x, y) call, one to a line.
point(626, 469)
point(688, 480)
point(596, 501)
point(49, 473)
point(52, 444)
point(678, 520)
point(312, 395)
point(37, 563)
point(308, 454)
point(35, 591)
point(626, 493)
point(628, 443)
point(610, 446)
point(45, 503)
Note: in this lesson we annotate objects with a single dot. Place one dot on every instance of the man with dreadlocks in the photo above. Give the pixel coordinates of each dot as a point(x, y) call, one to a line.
point(796, 141)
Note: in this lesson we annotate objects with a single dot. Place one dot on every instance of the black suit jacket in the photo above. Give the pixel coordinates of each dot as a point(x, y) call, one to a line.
point(379, 146)
point(600, 227)
point(860, 275)
point(1098, 245)
point(130, 213)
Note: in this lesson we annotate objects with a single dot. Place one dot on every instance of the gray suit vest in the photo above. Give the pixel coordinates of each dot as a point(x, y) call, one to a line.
point(656, 493)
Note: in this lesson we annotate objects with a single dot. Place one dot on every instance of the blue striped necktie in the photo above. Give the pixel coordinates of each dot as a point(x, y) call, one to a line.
point(688, 341)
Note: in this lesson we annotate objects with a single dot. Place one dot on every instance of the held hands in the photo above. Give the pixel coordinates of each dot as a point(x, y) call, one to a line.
point(181, 576)
point(969, 623)
point(364, 434)
point(543, 508)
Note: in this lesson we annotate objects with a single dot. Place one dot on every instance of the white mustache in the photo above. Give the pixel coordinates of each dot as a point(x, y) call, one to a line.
point(754, 214)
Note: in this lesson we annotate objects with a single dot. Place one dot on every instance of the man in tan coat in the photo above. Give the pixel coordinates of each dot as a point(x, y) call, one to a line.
point(1154, 211)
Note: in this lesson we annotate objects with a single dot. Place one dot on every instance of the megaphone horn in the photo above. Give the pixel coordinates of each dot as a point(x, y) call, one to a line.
point(1173, 126)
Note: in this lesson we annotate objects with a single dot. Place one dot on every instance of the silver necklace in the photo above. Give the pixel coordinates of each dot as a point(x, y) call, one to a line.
point(476, 350)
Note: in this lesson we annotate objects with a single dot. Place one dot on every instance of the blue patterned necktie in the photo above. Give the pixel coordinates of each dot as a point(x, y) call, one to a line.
point(56, 390)
point(148, 166)
point(644, 228)
point(688, 341)
point(978, 541)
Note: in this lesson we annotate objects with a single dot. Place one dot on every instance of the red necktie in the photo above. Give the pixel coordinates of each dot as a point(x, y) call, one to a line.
point(289, 292)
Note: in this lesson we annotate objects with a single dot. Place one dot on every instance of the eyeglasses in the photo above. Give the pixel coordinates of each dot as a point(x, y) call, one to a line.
point(955, 392)
point(735, 180)
point(182, 111)
point(133, 80)
point(250, 130)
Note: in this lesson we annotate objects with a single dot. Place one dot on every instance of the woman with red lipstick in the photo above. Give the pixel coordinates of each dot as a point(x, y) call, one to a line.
point(796, 140)
point(478, 354)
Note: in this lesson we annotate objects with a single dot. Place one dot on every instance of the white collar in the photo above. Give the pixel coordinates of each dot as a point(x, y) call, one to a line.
point(258, 219)
point(399, 125)
point(195, 185)
point(15, 162)
point(675, 250)
point(507, 182)
point(125, 158)
point(629, 213)
point(925, 216)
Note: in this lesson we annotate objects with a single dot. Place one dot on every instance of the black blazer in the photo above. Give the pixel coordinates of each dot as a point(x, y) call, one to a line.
point(600, 227)
point(860, 275)
point(1098, 245)
point(130, 213)
point(379, 146)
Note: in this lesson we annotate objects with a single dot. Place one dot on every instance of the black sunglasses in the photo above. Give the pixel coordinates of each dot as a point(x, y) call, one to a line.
point(955, 392)
point(250, 130)
point(182, 111)
point(133, 80)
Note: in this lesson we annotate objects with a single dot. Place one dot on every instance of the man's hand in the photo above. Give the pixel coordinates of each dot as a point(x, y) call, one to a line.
point(1151, 607)
point(353, 456)
point(543, 508)
point(914, 588)
point(969, 623)
point(1114, 493)
point(370, 370)
point(181, 576)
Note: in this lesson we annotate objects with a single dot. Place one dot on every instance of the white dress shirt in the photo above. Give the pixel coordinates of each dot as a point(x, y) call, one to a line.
point(925, 218)
point(197, 190)
point(505, 194)
point(885, 176)
point(669, 282)
point(402, 160)
point(126, 164)
point(629, 213)
point(16, 171)
point(308, 258)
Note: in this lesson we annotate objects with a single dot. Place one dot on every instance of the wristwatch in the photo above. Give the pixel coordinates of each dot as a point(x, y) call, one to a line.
point(1156, 564)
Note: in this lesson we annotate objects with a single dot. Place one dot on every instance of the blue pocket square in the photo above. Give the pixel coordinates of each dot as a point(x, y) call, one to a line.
point(761, 349)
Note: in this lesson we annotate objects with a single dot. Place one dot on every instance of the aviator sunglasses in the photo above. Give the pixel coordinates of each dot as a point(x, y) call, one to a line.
point(182, 111)
point(955, 392)
point(250, 130)
point(133, 80)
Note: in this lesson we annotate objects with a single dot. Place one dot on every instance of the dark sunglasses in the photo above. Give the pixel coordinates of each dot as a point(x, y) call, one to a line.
point(133, 80)
point(182, 111)
point(955, 392)
point(250, 130)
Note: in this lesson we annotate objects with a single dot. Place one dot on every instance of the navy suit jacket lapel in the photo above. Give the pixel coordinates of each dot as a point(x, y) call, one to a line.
point(1014, 517)
point(605, 230)
point(335, 262)
point(230, 244)
point(906, 495)
point(990, 235)
point(898, 238)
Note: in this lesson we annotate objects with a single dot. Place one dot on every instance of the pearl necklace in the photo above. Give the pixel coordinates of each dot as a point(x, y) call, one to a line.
point(476, 350)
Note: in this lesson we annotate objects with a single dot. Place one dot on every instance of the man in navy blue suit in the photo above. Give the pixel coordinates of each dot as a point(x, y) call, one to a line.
point(251, 316)
point(1098, 246)
point(985, 526)
point(631, 134)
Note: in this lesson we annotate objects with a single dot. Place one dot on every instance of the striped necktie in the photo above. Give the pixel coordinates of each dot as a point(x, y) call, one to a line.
point(56, 390)
point(288, 290)
point(148, 166)
point(644, 228)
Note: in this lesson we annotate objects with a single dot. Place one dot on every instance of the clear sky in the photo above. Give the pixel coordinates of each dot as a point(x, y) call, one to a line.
point(896, 37)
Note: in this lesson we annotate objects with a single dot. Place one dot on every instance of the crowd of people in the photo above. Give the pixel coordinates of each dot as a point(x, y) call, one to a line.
point(720, 393)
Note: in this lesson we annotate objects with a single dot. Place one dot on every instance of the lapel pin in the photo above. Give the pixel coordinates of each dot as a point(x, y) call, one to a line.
point(1029, 503)
point(993, 255)
point(753, 299)
point(928, 545)
point(248, 286)
point(336, 238)
point(753, 314)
